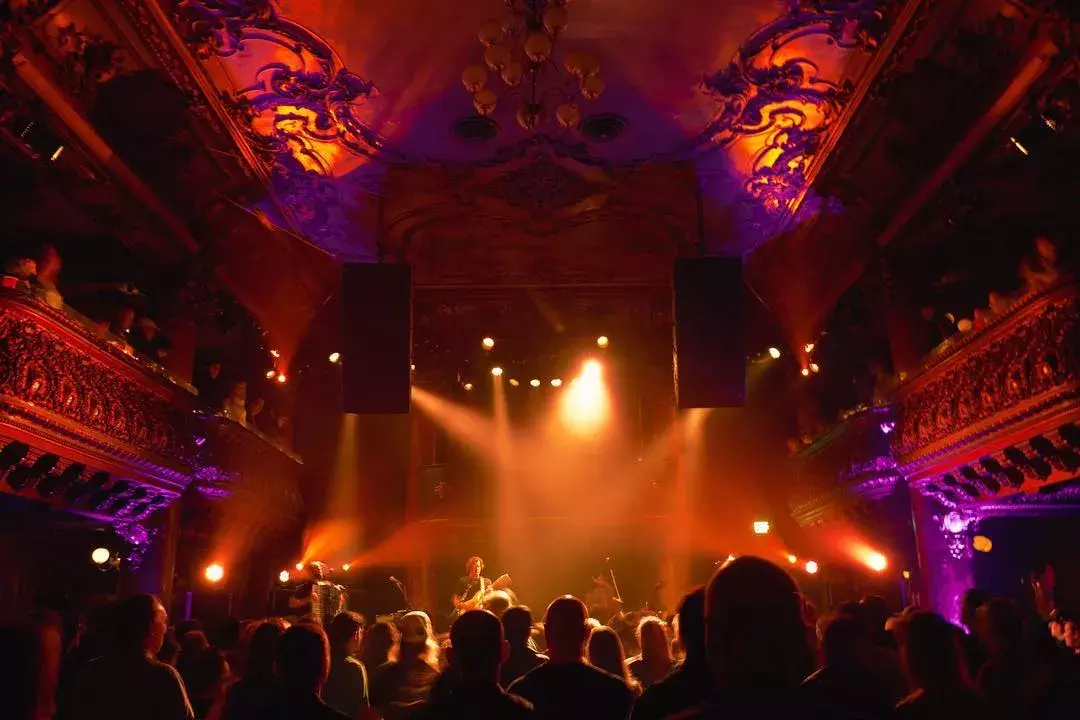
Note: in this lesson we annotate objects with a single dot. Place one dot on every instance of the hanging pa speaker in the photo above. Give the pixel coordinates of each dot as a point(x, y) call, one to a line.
point(376, 338)
point(709, 352)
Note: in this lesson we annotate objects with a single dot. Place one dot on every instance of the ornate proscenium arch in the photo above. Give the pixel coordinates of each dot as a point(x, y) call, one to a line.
point(773, 93)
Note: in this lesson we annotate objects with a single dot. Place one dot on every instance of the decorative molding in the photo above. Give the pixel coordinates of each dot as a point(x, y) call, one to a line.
point(542, 186)
point(786, 102)
point(1021, 367)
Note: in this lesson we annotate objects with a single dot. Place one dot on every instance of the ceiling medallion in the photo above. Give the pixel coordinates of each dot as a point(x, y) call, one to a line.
point(603, 127)
point(475, 129)
point(520, 50)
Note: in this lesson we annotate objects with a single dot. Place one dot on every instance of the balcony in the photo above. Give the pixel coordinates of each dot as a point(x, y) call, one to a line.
point(992, 414)
point(89, 427)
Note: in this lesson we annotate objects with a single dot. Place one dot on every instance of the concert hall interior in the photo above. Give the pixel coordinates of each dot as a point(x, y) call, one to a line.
point(328, 296)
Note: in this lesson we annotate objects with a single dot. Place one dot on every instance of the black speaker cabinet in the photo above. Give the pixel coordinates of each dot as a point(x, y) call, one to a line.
point(709, 354)
point(376, 338)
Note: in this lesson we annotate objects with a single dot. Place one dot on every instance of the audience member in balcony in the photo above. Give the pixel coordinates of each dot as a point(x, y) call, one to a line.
point(128, 683)
point(148, 340)
point(21, 271)
point(122, 324)
point(258, 417)
point(1040, 271)
point(211, 385)
point(48, 276)
point(235, 405)
point(936, 669)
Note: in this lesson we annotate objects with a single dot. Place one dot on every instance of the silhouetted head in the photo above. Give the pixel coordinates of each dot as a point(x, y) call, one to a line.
point(564, 626)
point(477, 647)
point(931, 652)
point(875, 612)
point(1001, 626)
point(653, 640)
point(692, 624)
point(260, 657)
point(140, 623)
point(302, 659)
point(517, 625)
point(974, 598)
point(843, 642)
point(753, 623)
point(605, 651)
point(344, 634)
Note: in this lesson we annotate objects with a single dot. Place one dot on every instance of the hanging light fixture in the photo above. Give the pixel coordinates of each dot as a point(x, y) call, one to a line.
point(520, 51)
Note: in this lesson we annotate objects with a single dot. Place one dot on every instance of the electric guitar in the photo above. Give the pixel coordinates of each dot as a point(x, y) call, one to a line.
point(477, 600)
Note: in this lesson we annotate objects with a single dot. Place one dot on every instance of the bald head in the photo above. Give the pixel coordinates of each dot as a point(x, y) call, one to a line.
point(753, 622)
point(477, 648)
point(565, 628)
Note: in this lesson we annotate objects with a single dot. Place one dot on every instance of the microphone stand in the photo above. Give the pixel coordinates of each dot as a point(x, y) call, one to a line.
point(401, 588)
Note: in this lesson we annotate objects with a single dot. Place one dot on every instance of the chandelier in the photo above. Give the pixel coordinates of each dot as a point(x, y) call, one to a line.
point(520, 51)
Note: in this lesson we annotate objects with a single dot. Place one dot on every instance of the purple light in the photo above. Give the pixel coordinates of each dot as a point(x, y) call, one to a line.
point(199, 441)
point(954, 523)
point(888, 426)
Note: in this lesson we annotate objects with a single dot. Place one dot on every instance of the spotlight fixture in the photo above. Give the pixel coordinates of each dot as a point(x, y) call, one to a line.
point(1019, 146)
point(535, 382)
point(282, 378)
point(602, 341)
point(497, 371)
point(345, 567)
point(214, 573)
point(906, 574)
point(468, 387)
point(488, 343)
point(335, 357)
point(808, 347)
point(877, 562)
point(556, 382)
point(805, 372)
point(100, 555)
point(774, 353)
point(270, 374)
point(275, 353)
point(299, 566)
point(283, 576)
point(814, 367)
point(792, 558)
point(514, 383)
point(982, 543)
point(761, 527)
point(811, 567)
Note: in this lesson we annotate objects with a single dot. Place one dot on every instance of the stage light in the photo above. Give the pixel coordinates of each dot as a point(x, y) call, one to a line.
point(412, 367)
point(603, 341)
point(346, 566)
point(761, 527)
point(877, 562)
point(811, 567)
point(792, 558)
point(535, 382)
point(214, 573)
point(468, 387)
point(954, 523)
point(299, 566)
point(275, 353)
point(497, 371)
point(805, 372)
point(514, 383)
point(906, 574)
point(774, 353)
point(814, 367)
point(335, 357)
point(808, 347)
point(584, 407)
point(100, 555)
point(556, 382)
point(488, 343)
point(283, 576)
point(281, 378)
point(982, 543)
point(270, 374)
point(1019, 146)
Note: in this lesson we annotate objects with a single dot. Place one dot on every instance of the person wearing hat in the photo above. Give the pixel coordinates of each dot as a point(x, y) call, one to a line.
point(406, 682)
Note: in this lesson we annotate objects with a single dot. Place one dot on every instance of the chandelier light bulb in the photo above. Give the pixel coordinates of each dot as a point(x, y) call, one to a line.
point(593, 87)
point(490, 33)
point(497, 57)
point(538, 47)
point(568, 115)
point(485, 101)
point(555, 19)
point(474, 77)
point(512, 74)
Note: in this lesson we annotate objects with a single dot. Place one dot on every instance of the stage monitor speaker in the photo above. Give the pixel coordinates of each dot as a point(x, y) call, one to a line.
point(376, 338)
point(709, 357)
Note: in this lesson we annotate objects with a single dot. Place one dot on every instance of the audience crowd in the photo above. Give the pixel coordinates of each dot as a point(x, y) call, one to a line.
point(738, 648)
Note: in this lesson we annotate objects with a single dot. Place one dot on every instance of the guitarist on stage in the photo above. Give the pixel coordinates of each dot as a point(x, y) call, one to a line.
point(472, 588)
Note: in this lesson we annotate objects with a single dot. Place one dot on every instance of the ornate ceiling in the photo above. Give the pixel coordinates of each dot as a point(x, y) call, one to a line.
point(331, 94)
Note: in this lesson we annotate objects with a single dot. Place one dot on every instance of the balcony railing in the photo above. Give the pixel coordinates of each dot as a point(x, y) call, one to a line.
point(993, 412)
point(89, 426)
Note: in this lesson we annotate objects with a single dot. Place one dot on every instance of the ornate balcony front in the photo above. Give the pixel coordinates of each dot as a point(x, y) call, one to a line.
point(88, 426)
point(993, 413)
